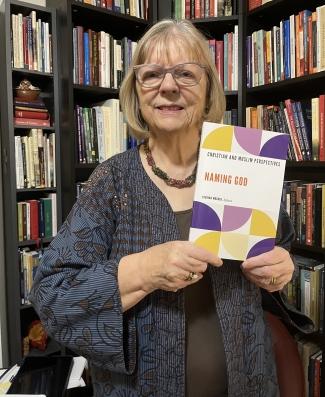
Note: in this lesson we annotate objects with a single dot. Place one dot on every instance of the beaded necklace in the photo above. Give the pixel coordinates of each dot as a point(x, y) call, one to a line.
point(178, 183)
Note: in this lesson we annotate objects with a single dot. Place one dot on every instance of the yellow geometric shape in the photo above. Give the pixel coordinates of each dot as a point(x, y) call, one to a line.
point(210, 241)
point(262, 224)
point(219, 139)
point(235, 244)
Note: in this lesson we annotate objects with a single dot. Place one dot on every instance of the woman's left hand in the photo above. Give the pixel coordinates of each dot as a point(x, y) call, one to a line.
point(271, 270)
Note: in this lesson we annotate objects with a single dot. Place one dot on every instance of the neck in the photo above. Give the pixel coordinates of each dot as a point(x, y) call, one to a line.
point(175, 150)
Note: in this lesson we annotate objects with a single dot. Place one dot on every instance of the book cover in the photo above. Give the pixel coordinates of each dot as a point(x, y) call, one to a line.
point(238, 190)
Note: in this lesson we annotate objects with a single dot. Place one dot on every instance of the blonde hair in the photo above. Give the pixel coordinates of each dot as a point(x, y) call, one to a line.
point(157, 39)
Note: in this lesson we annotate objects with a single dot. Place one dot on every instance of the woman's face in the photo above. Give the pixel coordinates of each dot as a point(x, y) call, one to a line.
point(171, 108)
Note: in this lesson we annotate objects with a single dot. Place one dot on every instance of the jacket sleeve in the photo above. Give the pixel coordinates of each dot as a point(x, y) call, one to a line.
point(285, 230)
point(75, 291)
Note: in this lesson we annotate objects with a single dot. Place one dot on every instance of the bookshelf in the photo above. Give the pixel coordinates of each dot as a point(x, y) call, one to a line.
point(70, 14)
point(19, 316)
point(297, 88)
point(300, 88)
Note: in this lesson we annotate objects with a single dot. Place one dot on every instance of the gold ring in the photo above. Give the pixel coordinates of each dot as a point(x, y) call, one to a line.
point(191, 276)
point(273, 280)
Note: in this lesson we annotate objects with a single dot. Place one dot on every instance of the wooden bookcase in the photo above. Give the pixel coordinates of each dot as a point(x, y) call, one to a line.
point(70, 14)
point(19, 316)
point(265, 17)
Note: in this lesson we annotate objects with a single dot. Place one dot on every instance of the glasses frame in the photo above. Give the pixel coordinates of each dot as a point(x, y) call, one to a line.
point(170, 70)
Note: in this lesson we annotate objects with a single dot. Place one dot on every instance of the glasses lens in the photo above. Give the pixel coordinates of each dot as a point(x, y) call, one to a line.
point(150, 75)
point(188, 74)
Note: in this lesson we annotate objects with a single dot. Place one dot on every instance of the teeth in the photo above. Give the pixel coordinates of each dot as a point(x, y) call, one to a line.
point(170, 107)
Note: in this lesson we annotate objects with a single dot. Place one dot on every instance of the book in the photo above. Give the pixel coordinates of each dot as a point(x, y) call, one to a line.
point(31, 122)
point(31, 115)
point(238, 190)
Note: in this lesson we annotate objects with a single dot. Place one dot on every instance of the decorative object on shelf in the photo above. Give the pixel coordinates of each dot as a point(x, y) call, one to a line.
point(29, 108)
point(37, 335)
point(27, 91)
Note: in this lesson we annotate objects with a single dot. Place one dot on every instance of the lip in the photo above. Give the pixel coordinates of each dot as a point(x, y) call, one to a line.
point(169, 108)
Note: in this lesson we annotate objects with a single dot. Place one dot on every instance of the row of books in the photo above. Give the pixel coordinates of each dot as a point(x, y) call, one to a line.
point(31, 112)
point(305, 203)
point(306, 291)
point(99, 59)
point(102, 131)
point(225, 55)
point(31, 42)
point(37, 218)
point(311, 358)
point(134, 8)
point(293, 49)
point(35, 160)
point(302, 120)
point(252, 4)
point(28, 264)
point(193, 9)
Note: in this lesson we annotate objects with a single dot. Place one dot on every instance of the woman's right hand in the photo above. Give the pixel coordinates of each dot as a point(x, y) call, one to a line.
point(168, 266)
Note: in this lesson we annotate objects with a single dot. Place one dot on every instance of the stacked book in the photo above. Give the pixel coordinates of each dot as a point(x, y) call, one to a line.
point(31, 112)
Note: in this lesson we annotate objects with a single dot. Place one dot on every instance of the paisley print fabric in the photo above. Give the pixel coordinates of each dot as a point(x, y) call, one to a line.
point(141, 352)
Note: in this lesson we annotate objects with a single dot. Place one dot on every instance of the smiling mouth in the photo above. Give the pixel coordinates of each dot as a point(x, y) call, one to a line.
point(172, 108)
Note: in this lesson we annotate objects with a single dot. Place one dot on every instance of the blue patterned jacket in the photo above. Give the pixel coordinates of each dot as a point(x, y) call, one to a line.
point(142, 352)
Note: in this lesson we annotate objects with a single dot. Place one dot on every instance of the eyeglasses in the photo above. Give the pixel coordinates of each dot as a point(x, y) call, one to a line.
point(185, 74)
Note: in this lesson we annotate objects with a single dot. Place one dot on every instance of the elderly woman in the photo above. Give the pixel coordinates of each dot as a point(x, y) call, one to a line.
point(120, 284)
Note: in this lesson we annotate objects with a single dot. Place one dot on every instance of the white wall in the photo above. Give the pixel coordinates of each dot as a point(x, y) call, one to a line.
point(3, 328)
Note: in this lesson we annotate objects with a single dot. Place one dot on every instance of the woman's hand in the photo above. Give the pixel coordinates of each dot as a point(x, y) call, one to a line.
point(271, 270)
point(174, 265)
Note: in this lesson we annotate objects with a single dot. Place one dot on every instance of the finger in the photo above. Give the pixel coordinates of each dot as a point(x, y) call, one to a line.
point(266, 271)
point(177, 284)
point(265, 283)
point(193, 265)
point(275, 256)
point(204, 255)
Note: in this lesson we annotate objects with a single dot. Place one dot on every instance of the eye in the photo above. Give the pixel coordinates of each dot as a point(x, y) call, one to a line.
point(183, 73)
point(151, 74)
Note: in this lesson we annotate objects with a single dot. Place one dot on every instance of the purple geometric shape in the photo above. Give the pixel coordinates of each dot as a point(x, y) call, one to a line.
point(261, 247)
point(204, 217)
point(234, 217)
point(249, 139)
point(276, 147)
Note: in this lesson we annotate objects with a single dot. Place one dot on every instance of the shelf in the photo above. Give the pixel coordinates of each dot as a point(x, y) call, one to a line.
point(231, 93)
point(311, 85)
point(26, 306)
point(271, 13)
point(90, 166)
point(99, 18)
point(308, 248)
point(309, 164)
point(32, 73)
point(24, 127)
point(216, 26)
point(37, 190)
point(39, 242)
point(90, 92)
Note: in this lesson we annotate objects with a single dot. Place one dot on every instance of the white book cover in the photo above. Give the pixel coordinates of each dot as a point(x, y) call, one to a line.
point(238, 190)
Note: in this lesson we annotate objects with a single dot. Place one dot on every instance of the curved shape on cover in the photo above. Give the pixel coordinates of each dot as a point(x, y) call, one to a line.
point(261, 247)
point(249, 139)
point(262, 224)
point(276, 147)
point(234, 217)
point(204, 217)
point(235, 244)
point(209, 241)
point(219, 139)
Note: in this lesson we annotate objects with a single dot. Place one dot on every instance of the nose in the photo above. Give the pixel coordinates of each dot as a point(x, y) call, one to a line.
point(168, 84)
